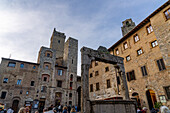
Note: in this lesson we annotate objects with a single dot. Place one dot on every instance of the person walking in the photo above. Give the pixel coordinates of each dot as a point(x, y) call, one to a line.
point(64, 109)
point(73, 110)
point(69, 108)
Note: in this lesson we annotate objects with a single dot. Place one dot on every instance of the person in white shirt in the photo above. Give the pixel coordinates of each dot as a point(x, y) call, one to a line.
point(10, 110)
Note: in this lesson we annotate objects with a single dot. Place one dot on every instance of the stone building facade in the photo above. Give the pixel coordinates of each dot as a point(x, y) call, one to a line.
point(52, 80)
point(104, 81)
point(145, 50)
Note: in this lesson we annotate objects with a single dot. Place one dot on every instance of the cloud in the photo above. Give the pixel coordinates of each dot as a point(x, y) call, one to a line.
point(27, 25)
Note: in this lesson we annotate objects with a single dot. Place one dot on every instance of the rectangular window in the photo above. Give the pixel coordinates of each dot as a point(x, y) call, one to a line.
point(118, 80)
point(117, 51)
point(167, 91)
point(149, 29)
point(11, 64)
point(32, 83)
point(139, 51)
point(70, 95)
point(91, 75)
point(131, 75)
point(161, 64)
point(136, 38)
point(128, 58)
point(97, 87)
point(59, 83)
point(27, 92)
point(46, 67)
point(144, 72)
point(96, 73)
point(125, 45)
point(19, 82)
point(21, 65)
point(60, 72)
point(91, 87)
point(106, 69)
point(45, 79)
point(3, 95)
point(5, 80)
point(154, 43)
point(167, 14)
point(108, 83)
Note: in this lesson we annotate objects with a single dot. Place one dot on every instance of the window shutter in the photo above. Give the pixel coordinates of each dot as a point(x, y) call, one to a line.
point(145, 70)
point(128, 76)
point(142, 71)
point(159, 66)
point(162, 64)
point(133, 74)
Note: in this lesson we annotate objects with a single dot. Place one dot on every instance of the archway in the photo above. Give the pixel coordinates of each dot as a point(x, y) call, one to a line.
point(15, 105)
point(151, 97)
point(135, 96)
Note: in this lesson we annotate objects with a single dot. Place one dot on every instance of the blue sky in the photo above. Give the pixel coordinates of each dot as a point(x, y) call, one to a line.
point(26, 25)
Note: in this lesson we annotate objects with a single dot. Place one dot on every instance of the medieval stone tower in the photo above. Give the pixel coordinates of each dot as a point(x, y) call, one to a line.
point(58, 71)
point(128, 25)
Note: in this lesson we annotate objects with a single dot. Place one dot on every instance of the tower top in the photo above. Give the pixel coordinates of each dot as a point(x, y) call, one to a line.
point(57, 33)
point(128, 25)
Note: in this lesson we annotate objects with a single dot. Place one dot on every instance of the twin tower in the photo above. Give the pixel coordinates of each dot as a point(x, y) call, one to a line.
point(58, 71)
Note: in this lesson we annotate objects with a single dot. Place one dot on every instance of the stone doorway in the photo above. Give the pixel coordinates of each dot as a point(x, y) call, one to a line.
point(58, 96)
point(41, 104)
point(15, 105)
point(151, 97)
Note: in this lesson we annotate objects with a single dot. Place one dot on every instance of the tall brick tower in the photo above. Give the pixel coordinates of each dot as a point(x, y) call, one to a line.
point(128, 25)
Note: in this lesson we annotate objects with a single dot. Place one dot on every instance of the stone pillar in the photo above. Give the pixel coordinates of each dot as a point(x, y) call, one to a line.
point(85, 100)
point(124, 86)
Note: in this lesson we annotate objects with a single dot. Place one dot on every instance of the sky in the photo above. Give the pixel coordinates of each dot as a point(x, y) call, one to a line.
point(26, 25)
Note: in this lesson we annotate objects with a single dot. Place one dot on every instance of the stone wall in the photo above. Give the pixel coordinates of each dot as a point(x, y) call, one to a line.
point(113, 106)
point(18, 91)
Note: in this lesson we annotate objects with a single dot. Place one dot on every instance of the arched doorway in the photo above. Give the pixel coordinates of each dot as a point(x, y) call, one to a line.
point(15, 105)
point(79, 98)
point(135, 96)
point(151, 97)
